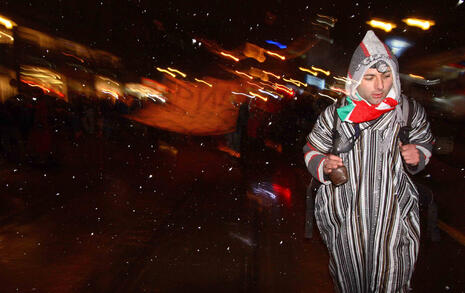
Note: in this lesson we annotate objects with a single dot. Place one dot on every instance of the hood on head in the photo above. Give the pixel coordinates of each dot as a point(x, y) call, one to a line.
point(369, 52)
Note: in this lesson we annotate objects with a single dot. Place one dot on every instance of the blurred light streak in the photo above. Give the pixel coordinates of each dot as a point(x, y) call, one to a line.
point(203, 81)
point(268, 93)
point(109, 81)
point(284, 191)
point(294, 81)
point(111, 93)
point(230, 56)
point(166, 71)
point(142, 91)
point(75, 57)
point(275, 55)
point(272, 74)
point(344, 79)
point(43, 88)
point(6, 35)
point(327, 96)
point(258, 96)
point(245, 74)
point(398, 45)
point(7, 22)
point(416, 76)
point(283, 88)
point(177, 71)
point(254, 84)
point(327, 73)
point(309, 71)
point(242, 94)
point(386, 26)
point(421, 23)
point(279, 45)
point(339, 90)
point(331, 21)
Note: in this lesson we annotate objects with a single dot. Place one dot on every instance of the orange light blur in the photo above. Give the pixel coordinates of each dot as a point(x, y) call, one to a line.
point(166, 71)
point(272, 74)
point(177, 71)
point(386, 26)
point(258, 96)
point(75, 57)
point(327, 73)
point(254, 84)
point(423, 24)
point(308, 70)
point(203, 81)
point(244, 74)
point(275, 55)
point(416, 76)
point(280, 87)
point(230, 56)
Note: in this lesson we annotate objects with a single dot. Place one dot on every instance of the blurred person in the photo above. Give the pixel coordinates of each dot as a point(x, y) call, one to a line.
point(370, 224)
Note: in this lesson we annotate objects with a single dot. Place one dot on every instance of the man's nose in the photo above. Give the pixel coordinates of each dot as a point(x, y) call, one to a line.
point(379, 83)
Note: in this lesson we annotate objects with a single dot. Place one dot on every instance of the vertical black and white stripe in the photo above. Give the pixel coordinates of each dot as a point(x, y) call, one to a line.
point(371, 224)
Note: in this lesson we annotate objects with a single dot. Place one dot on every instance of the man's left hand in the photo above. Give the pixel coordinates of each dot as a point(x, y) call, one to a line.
point(410, 154)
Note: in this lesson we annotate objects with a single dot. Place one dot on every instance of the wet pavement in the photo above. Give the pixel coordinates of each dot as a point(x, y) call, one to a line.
point(150, 211)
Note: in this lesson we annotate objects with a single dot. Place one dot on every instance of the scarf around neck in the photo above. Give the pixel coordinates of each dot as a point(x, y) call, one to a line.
point(358, 110)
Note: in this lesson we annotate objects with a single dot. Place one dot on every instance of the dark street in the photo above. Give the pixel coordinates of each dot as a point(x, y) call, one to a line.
point(156, 146)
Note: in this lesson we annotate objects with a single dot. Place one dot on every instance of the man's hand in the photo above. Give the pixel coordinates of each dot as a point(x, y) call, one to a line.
point(410, 154)
point(331, 162)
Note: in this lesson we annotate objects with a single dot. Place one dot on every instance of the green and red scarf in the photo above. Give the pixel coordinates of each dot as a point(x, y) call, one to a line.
point(358, 110)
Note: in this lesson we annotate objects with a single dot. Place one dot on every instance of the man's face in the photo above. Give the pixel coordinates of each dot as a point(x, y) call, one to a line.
point(375, 85)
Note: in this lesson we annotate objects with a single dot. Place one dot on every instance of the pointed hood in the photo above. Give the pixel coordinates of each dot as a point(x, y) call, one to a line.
point(369, 52)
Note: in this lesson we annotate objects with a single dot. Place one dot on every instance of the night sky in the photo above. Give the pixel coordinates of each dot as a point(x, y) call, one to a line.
point(157, 33)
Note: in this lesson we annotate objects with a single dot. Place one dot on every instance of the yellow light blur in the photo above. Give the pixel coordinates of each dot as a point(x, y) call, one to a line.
point(309, 71)
point(416, 76)
point(294, 81)
point(230, 56)
point(259, 96)
point(203, 81)
point(423, 24)
point(272, 74)
point(166, 71)
point(245, 74)
point(386, 26)
point(275, 55)
point(177, 71)
point(7, 23)
point(321, 70)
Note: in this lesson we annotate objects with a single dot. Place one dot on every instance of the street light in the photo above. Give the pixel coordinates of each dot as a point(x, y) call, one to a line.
point(421, 23)
point(386, 26)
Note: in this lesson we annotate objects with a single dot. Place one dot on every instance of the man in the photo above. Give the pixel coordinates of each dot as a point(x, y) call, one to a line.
point(370, 224)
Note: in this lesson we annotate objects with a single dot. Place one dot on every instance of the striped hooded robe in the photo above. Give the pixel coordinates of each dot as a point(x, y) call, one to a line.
point(370, 224)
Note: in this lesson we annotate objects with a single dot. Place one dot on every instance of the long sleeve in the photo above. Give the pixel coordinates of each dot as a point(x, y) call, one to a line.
point(319, 144)
point(421, 136)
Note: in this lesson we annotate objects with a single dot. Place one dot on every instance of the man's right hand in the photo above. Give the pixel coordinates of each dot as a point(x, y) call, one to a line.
point(331, 162)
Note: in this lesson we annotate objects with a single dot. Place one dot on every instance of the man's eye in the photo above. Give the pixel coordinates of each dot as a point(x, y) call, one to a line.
point(368, 78)
point(387, 76)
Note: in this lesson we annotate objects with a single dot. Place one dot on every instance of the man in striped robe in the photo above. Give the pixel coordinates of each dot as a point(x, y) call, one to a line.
point(370, 224)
